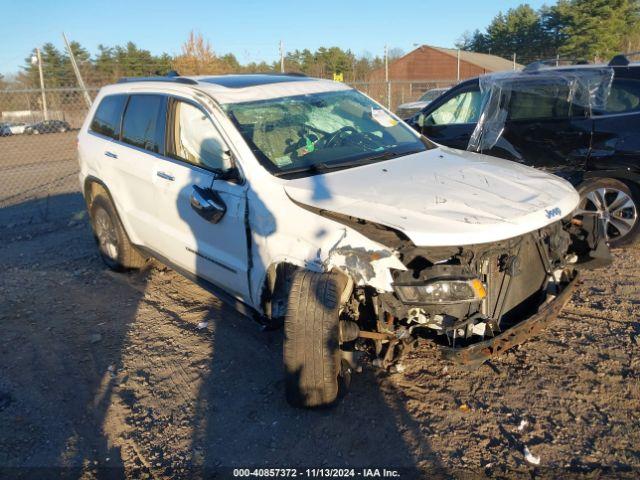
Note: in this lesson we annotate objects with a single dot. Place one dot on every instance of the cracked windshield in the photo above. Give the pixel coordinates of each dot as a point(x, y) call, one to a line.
point(321, 131)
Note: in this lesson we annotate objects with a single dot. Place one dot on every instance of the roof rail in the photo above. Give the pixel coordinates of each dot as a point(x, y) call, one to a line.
point(172, 79)
point(552, 62)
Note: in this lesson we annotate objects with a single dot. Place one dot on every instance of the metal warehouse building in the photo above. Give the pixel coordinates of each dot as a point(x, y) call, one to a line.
point(436, 63)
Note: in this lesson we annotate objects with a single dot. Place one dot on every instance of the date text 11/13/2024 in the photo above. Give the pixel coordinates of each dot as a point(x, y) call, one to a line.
point(316, 473)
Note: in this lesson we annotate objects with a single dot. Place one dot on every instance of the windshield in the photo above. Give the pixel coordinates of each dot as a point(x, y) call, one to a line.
point(322, 131)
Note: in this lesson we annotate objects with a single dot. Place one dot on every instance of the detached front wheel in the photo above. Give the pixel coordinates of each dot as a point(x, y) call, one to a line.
point(312, 357)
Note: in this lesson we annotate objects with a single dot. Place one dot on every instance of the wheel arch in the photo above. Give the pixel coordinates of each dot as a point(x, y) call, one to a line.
point(277, 278)
point(625, 175)
point(91, 188)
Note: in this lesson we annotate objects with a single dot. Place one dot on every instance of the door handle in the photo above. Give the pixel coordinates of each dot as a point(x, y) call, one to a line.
point(166, 176)
point(208, 204)
point(110, 154)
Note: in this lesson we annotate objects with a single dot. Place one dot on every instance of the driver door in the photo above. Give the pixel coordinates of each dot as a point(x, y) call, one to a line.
point(210, 247)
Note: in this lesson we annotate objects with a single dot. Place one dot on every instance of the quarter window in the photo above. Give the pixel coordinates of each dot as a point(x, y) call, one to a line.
point(144, 122)
point(195, 139)
point(108, 115)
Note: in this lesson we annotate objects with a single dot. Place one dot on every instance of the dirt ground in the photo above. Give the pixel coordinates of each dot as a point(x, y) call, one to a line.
point(104, 375)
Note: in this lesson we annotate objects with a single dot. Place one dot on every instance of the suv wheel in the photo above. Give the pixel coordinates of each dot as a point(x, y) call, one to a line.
point(616, 203)
point(311, 343)
point(116, 250)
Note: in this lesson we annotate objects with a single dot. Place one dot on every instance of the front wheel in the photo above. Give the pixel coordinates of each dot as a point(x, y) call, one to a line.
point(312, 358)
point(615, 203)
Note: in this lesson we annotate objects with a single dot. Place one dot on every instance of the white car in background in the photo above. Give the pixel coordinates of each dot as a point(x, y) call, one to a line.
point(407, 110)
point(17, 128)
point(304, 203)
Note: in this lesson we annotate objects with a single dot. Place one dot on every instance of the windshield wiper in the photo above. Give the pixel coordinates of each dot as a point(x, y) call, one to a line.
point(328, 166)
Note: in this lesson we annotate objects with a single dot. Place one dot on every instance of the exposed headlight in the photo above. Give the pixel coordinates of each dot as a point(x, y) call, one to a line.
point(442, 292)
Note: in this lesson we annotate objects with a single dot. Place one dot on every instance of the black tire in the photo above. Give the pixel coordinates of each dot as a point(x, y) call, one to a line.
point(311, 343)
point(116, 250)
point(615, 239)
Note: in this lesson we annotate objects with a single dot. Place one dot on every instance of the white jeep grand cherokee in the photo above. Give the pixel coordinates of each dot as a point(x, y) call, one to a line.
point(303, 201)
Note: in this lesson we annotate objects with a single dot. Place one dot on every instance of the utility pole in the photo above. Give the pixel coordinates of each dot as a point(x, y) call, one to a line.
point(76, 70)
point(458, 74)
point(281, 57)
point(386, 75)
point(45, 112)
point(514, 61)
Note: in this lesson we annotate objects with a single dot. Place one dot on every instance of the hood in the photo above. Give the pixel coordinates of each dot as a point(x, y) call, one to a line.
point(413, 105)
point(443, 197)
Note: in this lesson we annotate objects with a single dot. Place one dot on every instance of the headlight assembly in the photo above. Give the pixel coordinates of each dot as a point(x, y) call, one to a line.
point(443, 291)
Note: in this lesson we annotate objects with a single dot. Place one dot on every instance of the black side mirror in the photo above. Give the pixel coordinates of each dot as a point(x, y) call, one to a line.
point(208, 204)
point(229, 175)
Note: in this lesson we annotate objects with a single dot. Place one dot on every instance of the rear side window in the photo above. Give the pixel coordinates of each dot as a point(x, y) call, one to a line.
point(533, 106)
point(106, 121)
point(144, 121)
point(544, 101)
point(624, 96)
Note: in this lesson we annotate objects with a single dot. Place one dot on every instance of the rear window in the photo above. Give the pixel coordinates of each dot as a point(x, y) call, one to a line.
point(144, 122)
point(106, 121)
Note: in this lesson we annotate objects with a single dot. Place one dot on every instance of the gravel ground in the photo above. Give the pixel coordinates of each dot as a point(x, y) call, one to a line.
point(104, 375)
point(110, 370)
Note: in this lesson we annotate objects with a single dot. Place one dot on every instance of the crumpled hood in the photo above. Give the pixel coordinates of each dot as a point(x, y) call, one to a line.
point(443, 197)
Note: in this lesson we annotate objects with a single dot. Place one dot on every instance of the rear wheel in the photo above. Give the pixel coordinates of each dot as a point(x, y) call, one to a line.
point(311, 344)
point(616, 204)
point(116, 250)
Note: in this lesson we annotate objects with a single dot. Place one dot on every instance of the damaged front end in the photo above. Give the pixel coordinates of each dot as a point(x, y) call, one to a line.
point(472, 301)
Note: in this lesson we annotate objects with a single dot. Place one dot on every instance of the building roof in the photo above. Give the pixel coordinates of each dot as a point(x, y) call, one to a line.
point(489, 62)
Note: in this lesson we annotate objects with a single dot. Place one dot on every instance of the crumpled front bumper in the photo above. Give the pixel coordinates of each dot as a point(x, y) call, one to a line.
point(479, 353)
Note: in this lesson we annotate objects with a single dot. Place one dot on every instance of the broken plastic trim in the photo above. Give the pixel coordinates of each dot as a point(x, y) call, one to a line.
point(581, 87)
point(479, 353)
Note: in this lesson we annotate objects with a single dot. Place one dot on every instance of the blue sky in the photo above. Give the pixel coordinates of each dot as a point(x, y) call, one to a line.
point(249, 29)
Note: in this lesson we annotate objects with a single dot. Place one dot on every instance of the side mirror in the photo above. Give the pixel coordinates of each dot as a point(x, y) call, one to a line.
point(231, 174)
point(421, 119)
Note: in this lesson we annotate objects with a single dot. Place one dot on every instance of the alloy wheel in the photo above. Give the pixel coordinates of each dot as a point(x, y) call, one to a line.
point(615, 208)
point(106, 233)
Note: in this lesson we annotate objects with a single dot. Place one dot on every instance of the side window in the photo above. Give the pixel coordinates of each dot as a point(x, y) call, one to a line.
point(624, 96)
point(108, 115)
point(144, 122)
point(463, 108)
point(195, 139)
point(545, 100)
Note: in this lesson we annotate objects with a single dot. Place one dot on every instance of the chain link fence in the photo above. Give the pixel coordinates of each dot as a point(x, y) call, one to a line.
point(38, 132)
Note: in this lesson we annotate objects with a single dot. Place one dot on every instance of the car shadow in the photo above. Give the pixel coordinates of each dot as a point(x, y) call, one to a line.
point(242, 419)
point(60, 351)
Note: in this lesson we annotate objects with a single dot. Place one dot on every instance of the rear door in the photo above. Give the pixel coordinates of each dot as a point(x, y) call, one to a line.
point(134, 159)
point(451, 119)
point(616, 142)
point(124, 160)
point(197, 153)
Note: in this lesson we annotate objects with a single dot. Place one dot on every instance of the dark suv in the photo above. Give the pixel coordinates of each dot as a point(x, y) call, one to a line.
point(596, 149)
